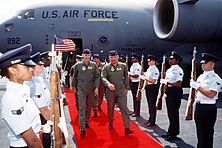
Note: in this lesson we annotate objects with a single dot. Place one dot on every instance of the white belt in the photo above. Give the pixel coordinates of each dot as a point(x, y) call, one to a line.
point(135, 81)
point(206, 102)
point(19, 143)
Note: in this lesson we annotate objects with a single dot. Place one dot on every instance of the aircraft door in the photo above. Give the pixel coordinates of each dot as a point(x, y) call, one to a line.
point(79, 45)
point(68, 58)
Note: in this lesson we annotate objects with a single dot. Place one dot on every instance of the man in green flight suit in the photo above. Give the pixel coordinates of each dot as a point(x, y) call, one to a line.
point(115, 78)
point(85, 82)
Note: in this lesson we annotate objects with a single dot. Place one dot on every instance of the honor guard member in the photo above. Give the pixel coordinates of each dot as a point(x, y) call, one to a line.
point(115, 78)
point(151, 78)
point(135, 72)
point(98, 100)
point(78, 59)
point(41, 96)
point(46, 57)
point(18, 109)
point(85, 82)
point(208, 86)
point(174, 94)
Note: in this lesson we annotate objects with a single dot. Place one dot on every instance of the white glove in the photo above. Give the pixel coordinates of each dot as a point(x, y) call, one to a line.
point(62, 126)
point(163, 81)
point(164, 96)
point(65, 73)
point(47, 127)
point(142, 77)
point(194, 84)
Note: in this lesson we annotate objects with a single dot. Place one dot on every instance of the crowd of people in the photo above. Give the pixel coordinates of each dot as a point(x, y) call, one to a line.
point(27, 97)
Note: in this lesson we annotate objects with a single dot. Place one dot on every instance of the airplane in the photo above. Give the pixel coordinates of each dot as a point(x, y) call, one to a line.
point(145, 27)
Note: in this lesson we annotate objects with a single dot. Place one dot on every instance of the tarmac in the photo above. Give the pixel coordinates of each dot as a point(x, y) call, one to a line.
point(186, 139)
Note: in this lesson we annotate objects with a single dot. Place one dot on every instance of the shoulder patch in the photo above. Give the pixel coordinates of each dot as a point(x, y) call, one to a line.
point(112, 69)
point(17, 112)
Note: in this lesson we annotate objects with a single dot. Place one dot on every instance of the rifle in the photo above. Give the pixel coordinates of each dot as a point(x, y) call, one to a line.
point(141, 82)
point(62, 120)
point(57, 111)
point(62, 100)
point(192, 94)
point(55, 108)
point(162, 87)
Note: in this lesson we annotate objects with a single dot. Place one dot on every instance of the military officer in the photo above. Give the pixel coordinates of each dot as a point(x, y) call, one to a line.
point(18, 109)
point(98, 100)
point(208, 86)
point(47, 60)
point(115, 78)
point(151, 78)
point(86, 82)
point(135, 72)
point(174, 94)
point(78, 59)
point(41, 96)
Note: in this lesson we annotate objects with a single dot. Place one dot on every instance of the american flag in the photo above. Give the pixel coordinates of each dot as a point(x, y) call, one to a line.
point(64, 45)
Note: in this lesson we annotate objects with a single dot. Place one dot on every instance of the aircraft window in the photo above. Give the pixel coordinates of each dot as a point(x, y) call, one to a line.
point(26, 14)
point(9, 27)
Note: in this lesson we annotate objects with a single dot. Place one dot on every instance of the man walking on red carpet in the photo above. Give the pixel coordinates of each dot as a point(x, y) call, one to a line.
point(115, 78)
point(85, 82)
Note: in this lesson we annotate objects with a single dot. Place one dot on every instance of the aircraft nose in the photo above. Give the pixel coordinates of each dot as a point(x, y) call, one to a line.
point(2, 38)
point(6, 36)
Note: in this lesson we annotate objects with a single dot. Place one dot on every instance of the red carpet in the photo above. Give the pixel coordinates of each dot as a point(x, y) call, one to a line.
point(99, 136)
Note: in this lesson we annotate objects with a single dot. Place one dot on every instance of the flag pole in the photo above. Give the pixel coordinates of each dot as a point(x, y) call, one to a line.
point(92, 48)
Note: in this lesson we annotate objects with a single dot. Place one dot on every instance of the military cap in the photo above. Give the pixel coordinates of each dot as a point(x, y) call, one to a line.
point(19, 55)
point(36, 58)
point(175, 55)
point(122, 58)
point(45, 55)
point(103, 59)
point(96, 55)
point(206, 57)
point(86, 51)
point(113, 53)
point(50, 54)
point(136, 56)
point(152, 57)
point(78, 57)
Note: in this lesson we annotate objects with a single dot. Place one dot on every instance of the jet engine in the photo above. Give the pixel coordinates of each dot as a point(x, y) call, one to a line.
point(188, 20)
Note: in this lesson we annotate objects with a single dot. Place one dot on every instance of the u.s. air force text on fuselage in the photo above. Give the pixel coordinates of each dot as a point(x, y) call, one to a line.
point(47, 14)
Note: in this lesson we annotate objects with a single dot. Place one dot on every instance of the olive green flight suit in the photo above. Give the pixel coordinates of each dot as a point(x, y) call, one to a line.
point(85, 79)
point(117, 76)
point(98, 100)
